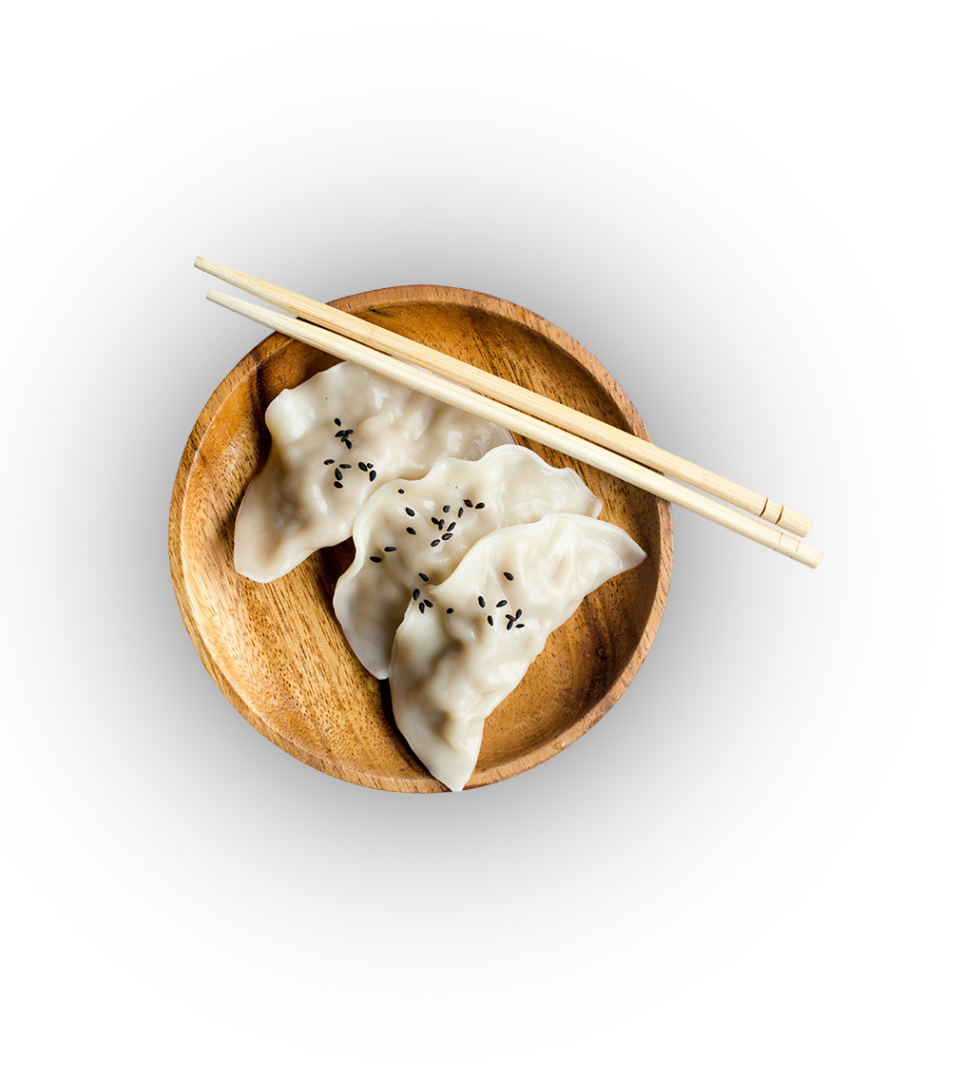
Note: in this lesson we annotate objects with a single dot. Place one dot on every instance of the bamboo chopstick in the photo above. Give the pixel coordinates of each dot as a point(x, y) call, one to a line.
point(562, 416)
point(600, 457)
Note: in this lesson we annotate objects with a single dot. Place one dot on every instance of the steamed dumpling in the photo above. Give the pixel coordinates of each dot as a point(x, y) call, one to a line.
point(466, 643)
point(336, 439)
point(413, 534)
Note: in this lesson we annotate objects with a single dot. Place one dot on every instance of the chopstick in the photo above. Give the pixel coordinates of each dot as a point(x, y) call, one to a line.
point(600, 457)
point(562, 416)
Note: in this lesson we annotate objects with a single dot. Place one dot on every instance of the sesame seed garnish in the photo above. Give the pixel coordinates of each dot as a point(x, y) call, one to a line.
point(447, 536)
point(421, 608)
point(450, 611)
point(427, 603)
point(468, 503)
point(338, 484)
point(452, 526)
point(460, 510)
point(375, 558)
point(481, 601)
point(519, 626)
point(372, 474)
point(445, 509)
point(411, 531)
point(502, 603)
point(330, 461)
point(434, 521)
point(480, 506)
point(434, 543)
point(400, 491)
point(390, 549)
point(338, 475)
point(416, 593)
point(345, 466)
point(490, 621)
point(423, 577)
point(362, 466)
point(510, 577)
point(409, 511)
point(337, 420)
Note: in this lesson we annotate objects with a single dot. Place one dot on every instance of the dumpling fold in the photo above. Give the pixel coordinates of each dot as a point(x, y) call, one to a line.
point(412, 535)
point(466, 643)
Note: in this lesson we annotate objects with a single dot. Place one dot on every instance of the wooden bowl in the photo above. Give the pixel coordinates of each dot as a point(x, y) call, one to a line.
point(277, 651)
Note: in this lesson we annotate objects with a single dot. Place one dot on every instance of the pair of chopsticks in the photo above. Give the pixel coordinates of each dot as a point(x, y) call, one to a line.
point(521, 410)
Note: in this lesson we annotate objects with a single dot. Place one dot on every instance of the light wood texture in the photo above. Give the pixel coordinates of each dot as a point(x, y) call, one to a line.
point(522, 424)
point(277, 651)
point(519, 397)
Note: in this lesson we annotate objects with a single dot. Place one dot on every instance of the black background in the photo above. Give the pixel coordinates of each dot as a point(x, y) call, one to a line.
point(726, 730)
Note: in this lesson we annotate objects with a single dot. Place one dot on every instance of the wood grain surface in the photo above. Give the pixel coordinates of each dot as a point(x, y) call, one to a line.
point(277, 651)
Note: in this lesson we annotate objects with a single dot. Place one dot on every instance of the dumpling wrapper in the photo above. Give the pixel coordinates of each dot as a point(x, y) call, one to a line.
point(344, 416)
point(456, 504)
point(450, 667)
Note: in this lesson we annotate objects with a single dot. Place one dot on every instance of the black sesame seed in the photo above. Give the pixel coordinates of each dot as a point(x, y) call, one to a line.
point(460, 511)
point(330, 461)
point(409, 511)
point(375, 558)
point(447, 536)
point(452, 526)
point(411, 531)
point(339, 434)
point(434, 543)
point(480, 506)
point(390, 549)
point(338, 484)
point(421, 608)
point(517, 614)
point(450, 611)
point(362, 466)
point(502, 603)
point(416, 593)
point(372, 474)
point(510, 577)
point(519, 626)
point(337, 420)
point(434, 521)
point(490, 621)
point(427, 603)
point(400, 491)
point(423, 577)
point(338, 474)
point(468, 503)
point(445, 509)
point(481, 601)
point(349, 444)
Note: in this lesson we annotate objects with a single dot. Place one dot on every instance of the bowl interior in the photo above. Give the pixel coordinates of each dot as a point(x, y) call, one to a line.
point(277, 650)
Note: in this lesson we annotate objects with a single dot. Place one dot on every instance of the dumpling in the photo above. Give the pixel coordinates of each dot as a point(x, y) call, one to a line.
point(466, 643)
point(336, 439)
point(414, 534)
